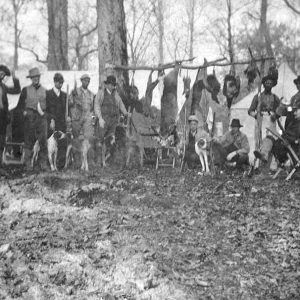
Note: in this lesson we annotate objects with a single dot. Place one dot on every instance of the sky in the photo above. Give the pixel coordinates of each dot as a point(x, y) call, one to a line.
point(33, 23)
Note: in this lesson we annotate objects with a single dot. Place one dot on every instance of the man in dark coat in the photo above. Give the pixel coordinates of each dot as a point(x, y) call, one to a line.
point(33, 104)
point(56, 115)
point(4, 113)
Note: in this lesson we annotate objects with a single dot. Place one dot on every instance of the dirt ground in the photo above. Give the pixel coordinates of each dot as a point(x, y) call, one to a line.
point(149, 235)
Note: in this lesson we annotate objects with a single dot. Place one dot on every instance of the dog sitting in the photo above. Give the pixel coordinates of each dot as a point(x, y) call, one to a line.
point(201, 148)
point(53, 148)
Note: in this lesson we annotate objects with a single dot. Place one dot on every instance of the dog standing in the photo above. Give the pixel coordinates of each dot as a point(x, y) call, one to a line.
point(53, 148)
point(35, 155)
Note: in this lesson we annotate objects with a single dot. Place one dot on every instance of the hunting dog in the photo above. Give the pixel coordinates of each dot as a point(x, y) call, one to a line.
point(201, 148)
point(51, 147)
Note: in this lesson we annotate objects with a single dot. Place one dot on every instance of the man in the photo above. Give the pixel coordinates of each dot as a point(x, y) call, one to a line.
point(265, 105)
point(56, 115)
point(32, 102)
point(275, 146)
point(235, 145)
point(4, 113)
point(81, 104)
point(284, 110)
point(194, 134)
point(108, 105)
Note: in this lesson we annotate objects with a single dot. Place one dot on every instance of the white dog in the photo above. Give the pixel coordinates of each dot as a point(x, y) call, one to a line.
point(35, 155)
point(53, 148)
point(201, 148)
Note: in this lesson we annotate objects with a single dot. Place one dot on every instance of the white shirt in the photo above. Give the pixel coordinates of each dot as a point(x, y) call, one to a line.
point(56, 91)
point(108, 91)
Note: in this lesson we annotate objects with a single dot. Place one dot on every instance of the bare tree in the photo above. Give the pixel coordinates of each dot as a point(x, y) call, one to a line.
point(57, 35)
point(139, 30)
point(83, 27)
point(112, 39)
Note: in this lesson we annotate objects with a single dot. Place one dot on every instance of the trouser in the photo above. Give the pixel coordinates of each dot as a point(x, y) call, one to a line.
point(192, 159)
point(266, 122)
point(2, 145)
point(240, 158)
point(277, 148)
point(35, 128)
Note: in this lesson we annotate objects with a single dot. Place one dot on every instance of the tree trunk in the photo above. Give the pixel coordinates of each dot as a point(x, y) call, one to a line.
point(161, 29)
point(112, 40)
point(16, 43)
point(191, 23)
point(58, 35)
point(230, 42)
point(265, 34)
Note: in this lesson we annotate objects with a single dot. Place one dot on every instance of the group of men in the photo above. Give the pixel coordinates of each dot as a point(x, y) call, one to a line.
point(45, 111)
point(234, 145)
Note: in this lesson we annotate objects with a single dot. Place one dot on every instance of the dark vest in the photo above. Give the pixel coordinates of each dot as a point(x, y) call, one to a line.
point(191, 144)
point(34, 96)
point(109, 107)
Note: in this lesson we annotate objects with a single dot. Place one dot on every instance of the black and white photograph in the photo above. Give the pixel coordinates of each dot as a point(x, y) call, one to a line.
point(150, 149)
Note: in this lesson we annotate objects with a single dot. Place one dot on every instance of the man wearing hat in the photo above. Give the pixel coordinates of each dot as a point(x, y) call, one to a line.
point(81, 103)
point(275, 146)
point(265, 104)
point(235, 145)
point(56, 114)
point(194, 134)
point(4, 113)
point(33, 104)
point(108, 105)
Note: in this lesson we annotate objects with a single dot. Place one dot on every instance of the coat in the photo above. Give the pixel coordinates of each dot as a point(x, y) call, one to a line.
point(4, 113)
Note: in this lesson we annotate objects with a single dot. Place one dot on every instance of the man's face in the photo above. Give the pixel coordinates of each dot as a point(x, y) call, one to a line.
point(35, 80)
point(85, 82)
point(235, 129)
point(193, 125)
point(297, 114)
point(268, 85)
point(2, 75)
point(110, 87)
point(58, 84)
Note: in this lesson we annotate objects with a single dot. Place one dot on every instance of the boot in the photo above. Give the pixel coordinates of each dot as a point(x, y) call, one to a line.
point(43, 162)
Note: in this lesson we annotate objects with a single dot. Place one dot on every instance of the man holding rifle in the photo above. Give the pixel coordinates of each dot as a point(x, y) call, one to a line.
point(291, 135)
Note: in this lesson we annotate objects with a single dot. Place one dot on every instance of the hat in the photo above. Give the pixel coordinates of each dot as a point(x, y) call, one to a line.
point(33, 73)
point(235, 123)
point(111, 80)
point(193, 118)
point(5, 69)
point(58, 77)
point(297, 80)
point(266, 78)
point(85, 76)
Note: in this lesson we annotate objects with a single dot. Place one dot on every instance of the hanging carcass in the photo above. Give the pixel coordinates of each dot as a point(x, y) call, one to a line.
point(231, 86)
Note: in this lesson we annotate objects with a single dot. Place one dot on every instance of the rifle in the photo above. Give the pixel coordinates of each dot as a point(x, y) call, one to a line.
point(290, 149)
point(184, 144)
point(212, 160)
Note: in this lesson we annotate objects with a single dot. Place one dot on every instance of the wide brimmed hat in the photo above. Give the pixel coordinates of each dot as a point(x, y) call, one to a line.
point(111, 80)
point(266, 78)
point(297, 80)
point(5, 69)
point(193, 118)
point(235, 123)
point(34, 72)
point(85, 76)
point(58, 77)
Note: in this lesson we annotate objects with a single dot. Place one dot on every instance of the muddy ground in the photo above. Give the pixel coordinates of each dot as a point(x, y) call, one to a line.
point(149, 235)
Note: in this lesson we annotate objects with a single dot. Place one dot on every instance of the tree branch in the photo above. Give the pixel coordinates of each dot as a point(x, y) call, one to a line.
point(292, 7)
point(32, 52)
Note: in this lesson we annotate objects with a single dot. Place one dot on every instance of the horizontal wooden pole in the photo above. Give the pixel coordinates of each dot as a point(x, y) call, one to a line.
point(215, 63)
